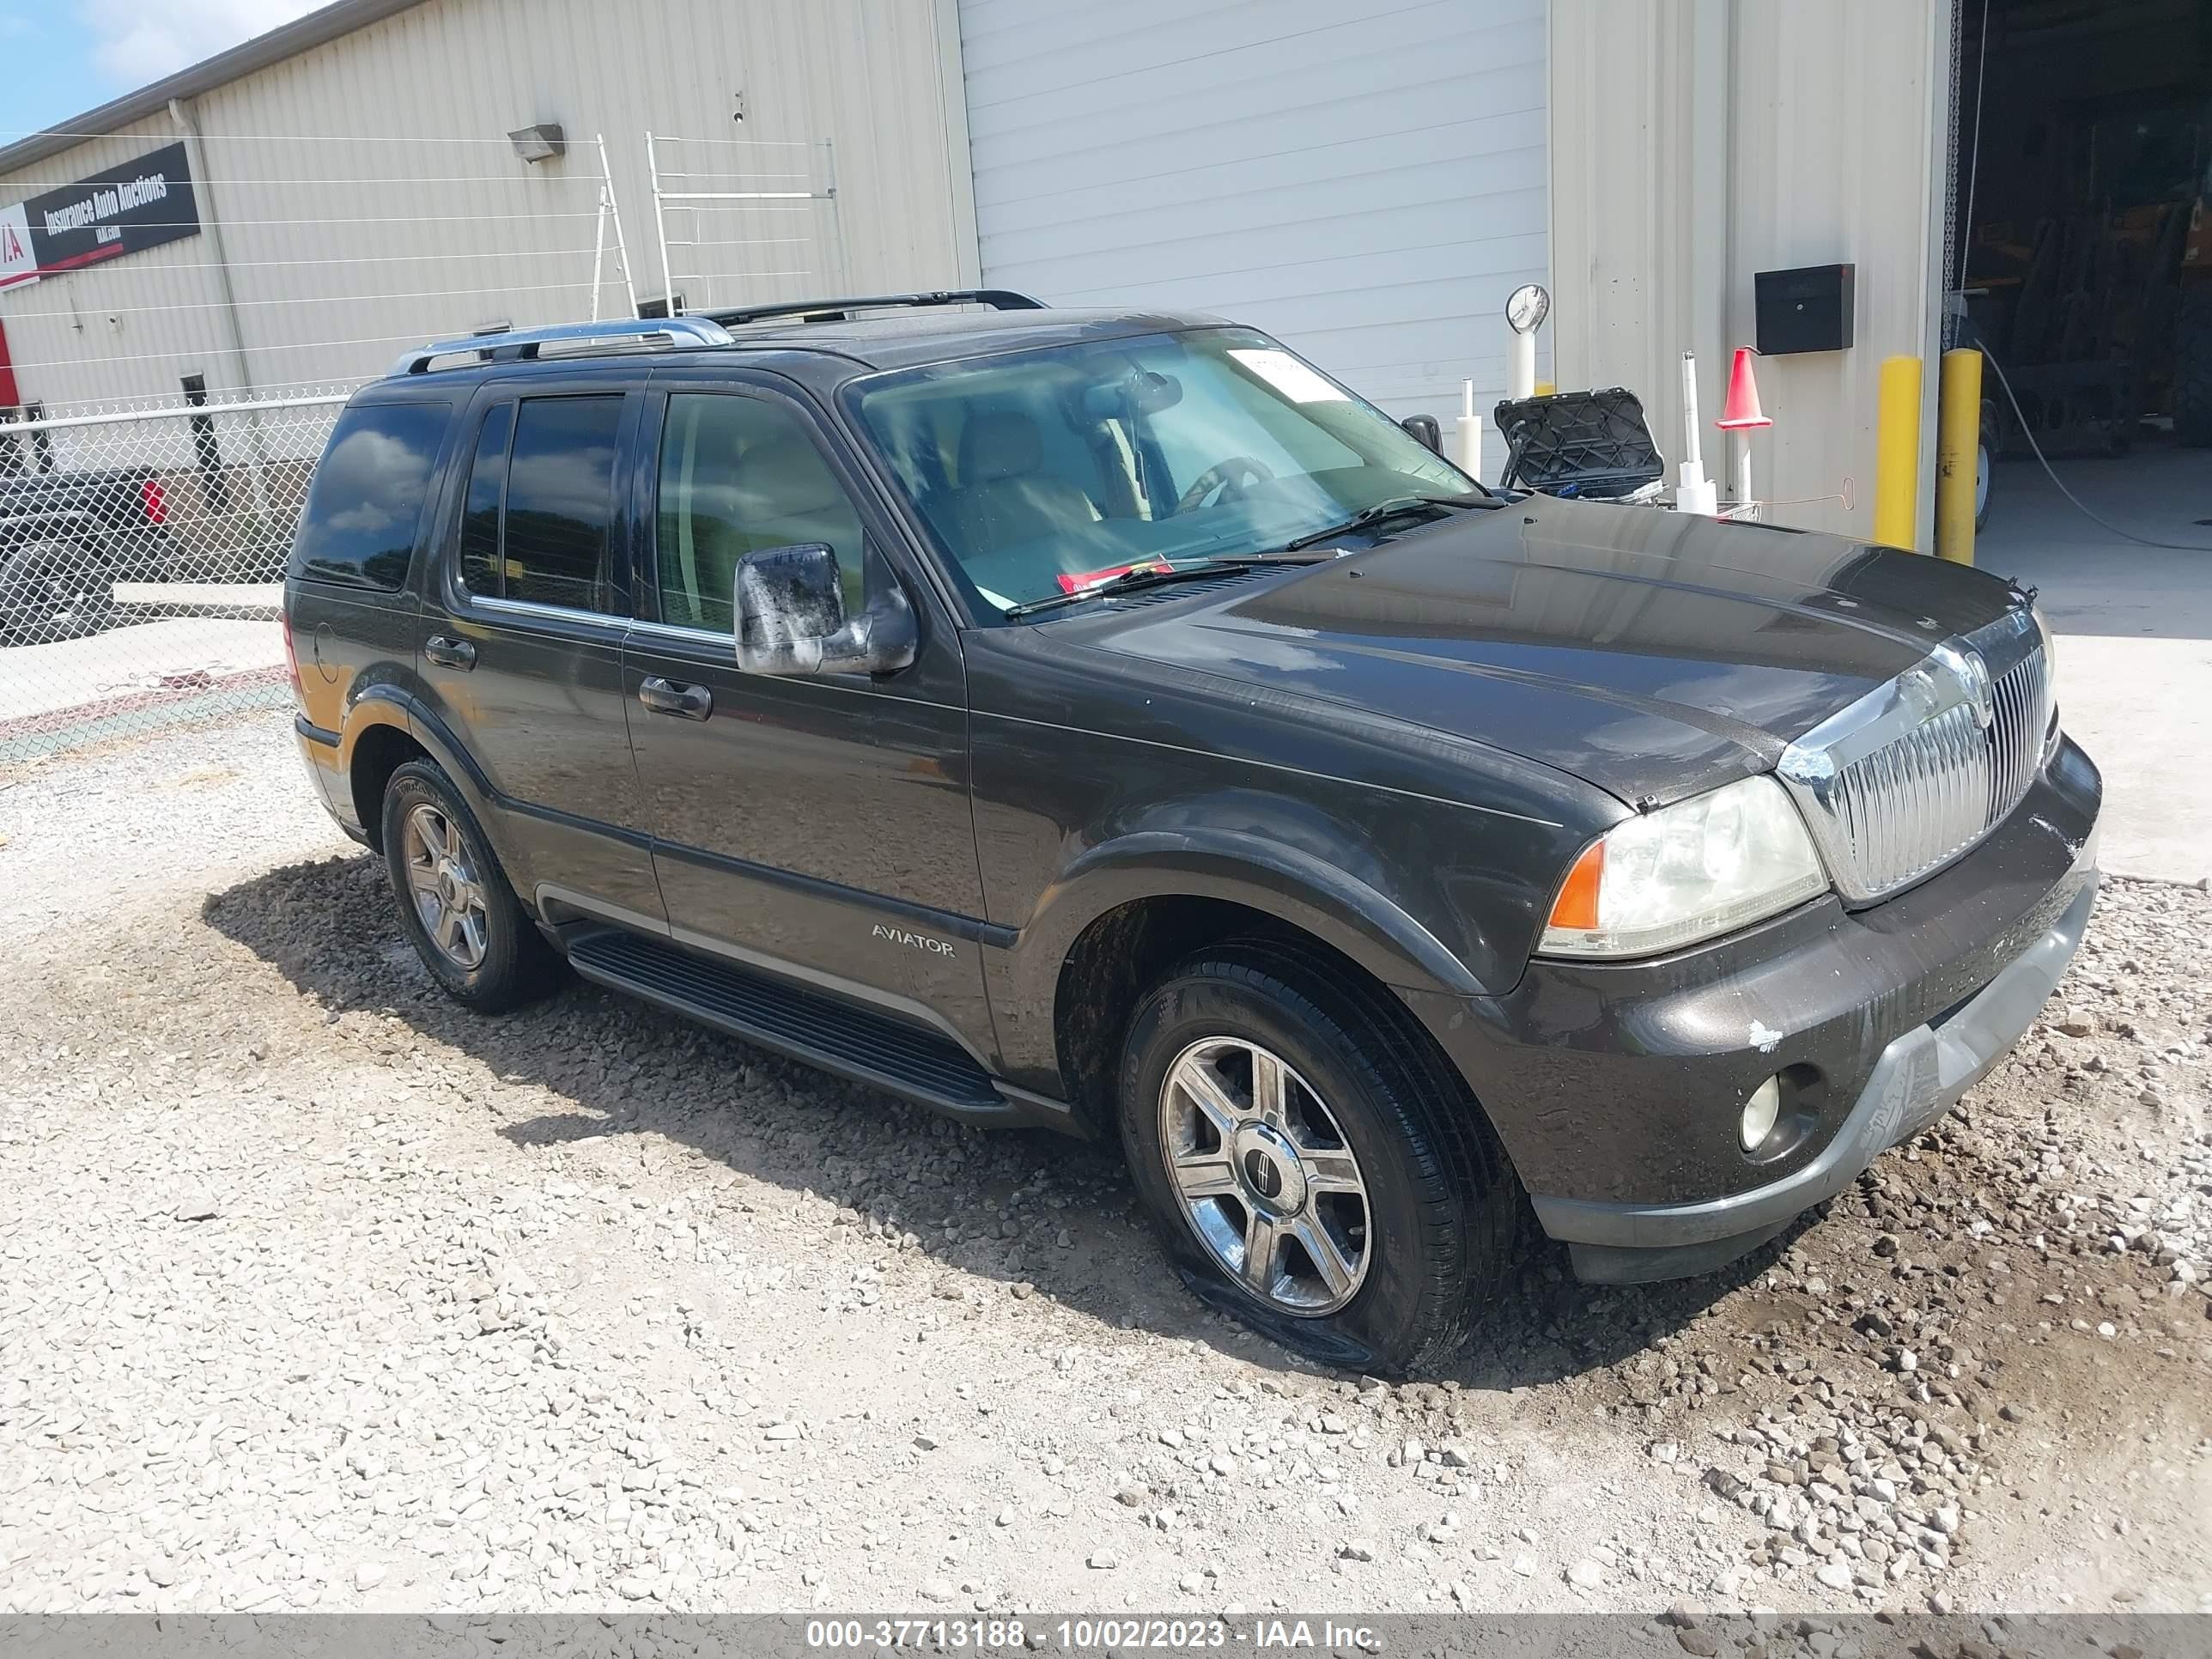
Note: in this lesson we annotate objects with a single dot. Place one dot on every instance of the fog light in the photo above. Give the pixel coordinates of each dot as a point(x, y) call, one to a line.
point(1759, 1113)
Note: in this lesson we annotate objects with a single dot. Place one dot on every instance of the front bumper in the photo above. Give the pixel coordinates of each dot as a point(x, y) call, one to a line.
point(1617, 1088)
point(1917, 1079)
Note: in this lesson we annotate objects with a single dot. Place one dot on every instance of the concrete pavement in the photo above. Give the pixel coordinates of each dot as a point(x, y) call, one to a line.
point(2135, 638)
point(127, 661)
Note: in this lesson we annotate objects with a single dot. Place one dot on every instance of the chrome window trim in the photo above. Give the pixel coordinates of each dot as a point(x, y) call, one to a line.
point(532, 608)
point(688, 636)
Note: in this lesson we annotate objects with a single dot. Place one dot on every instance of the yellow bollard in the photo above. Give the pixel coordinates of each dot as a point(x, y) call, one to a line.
point(1958, 454)
point(1897, 455)
point(1545, 389)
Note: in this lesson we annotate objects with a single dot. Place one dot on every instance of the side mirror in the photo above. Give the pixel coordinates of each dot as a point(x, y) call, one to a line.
point(790, 610)
point(1426, 428)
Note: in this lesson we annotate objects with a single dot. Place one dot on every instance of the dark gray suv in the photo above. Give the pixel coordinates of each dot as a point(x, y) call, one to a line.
point(1106, 719)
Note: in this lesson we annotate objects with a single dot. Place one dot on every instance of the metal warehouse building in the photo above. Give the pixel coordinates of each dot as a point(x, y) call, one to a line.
point(1369, 186)
point(352, 187)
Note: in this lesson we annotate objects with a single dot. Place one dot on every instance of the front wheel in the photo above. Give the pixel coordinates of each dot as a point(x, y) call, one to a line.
point(1311, 1167)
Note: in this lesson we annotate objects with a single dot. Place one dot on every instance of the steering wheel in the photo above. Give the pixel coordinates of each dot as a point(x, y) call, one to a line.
point(1233, 477)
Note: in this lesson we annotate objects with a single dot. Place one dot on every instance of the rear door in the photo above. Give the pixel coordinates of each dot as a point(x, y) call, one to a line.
point(522, 636)
point(819, 828)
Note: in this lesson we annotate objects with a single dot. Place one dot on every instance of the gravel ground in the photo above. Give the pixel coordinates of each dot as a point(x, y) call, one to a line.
point(317, 1291)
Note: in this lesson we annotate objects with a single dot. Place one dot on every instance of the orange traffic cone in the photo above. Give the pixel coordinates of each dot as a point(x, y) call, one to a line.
point(1743, 412)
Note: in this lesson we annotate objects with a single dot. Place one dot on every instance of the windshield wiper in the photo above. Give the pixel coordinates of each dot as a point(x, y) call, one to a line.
point(1156, 576)
point(1370, 518)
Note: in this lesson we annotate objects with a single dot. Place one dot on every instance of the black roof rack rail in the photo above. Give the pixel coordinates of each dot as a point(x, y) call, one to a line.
point(569, 340)
point(840, 310)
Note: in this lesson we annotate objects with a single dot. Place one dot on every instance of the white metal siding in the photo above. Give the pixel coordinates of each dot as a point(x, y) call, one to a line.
point(1697, 143)
point(342, 252)
point(1370, 190)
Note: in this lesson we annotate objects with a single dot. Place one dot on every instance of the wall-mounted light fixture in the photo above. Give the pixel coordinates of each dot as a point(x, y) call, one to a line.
point(539, 144)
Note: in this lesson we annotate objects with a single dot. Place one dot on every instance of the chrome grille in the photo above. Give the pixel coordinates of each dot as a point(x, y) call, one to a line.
point(2020, 720)
point(1917, 771)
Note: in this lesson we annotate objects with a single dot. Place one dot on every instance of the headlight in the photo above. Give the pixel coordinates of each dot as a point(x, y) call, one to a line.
point(1705, 865)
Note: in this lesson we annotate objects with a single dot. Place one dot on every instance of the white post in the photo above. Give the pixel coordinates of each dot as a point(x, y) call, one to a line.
point(1468, 450)
point(838, 278)
point(1693, 457)
point(1521, 366)
point(660, 225)
point(1746, 506)
point(614, 212)
point(1695, 492)
point(599, 248)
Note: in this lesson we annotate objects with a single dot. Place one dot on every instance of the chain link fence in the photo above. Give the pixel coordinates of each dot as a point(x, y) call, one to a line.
point(142, 559)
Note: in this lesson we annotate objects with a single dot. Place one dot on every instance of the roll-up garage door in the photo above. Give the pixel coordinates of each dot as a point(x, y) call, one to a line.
point(1369, 188)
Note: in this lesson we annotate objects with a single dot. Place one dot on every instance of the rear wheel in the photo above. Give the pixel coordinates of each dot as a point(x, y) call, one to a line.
point(1312, 1168)
point(455, 905)
point(54, 591)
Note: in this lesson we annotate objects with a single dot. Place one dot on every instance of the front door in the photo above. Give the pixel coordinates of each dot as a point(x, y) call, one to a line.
point(817, 827)
point(521, 646)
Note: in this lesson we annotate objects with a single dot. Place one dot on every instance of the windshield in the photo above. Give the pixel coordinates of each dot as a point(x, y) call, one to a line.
point(1046, 471)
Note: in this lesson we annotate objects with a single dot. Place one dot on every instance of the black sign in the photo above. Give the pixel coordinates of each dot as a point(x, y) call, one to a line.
point(124, 209)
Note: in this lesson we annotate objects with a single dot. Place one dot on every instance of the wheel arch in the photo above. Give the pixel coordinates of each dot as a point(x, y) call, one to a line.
point(1126, 913)
point(384, 729)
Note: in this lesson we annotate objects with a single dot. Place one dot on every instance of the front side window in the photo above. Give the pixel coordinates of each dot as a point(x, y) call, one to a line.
point(366, 498)
point(737, 475)
point(1042, 472)
point(540, 505)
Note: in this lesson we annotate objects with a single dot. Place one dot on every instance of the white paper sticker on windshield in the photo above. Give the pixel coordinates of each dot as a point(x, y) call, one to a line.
point(1287, 375)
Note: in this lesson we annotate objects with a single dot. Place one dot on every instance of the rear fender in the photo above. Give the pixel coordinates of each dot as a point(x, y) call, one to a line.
point(391, 705)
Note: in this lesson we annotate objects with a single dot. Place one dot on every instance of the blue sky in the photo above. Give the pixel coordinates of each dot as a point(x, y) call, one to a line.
point(65, 57)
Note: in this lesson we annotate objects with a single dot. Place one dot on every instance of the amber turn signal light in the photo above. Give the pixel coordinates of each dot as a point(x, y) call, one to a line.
point(1577, 905)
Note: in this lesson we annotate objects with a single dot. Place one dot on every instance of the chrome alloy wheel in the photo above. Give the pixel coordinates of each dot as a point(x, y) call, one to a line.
point(1265, 1175)
point(443, 884)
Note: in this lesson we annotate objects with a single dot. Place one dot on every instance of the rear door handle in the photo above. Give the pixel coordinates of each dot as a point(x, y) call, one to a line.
point(450, 653)
point(690, 702)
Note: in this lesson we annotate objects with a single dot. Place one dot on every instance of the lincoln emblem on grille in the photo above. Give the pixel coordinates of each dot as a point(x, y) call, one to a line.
point(1977, 688)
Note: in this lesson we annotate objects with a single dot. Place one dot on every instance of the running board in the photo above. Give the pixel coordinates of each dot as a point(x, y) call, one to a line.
point(820, 1030)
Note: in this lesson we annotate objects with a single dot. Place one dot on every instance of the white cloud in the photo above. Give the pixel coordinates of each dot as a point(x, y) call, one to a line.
point(134, 43)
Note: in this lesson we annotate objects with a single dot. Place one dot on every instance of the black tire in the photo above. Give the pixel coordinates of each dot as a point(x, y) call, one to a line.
point(54, 590)
point(2193, 365)
point(1443, 1208)
point(517, 964)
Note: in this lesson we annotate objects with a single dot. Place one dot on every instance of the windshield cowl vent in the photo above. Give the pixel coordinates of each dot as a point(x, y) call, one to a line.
point(1179, 590)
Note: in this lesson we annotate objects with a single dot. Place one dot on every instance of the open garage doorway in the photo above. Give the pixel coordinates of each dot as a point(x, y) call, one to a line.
point(2081, 264)
point(2082, 244)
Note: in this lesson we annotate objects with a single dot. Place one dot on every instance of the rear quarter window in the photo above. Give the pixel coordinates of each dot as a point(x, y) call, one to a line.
point(367, 500)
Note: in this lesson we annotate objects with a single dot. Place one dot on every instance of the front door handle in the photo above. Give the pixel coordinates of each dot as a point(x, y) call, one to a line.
point(450, 653)
point(690, 702)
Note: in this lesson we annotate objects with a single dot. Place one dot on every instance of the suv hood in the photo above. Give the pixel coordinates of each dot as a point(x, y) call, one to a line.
point(1654, 654)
